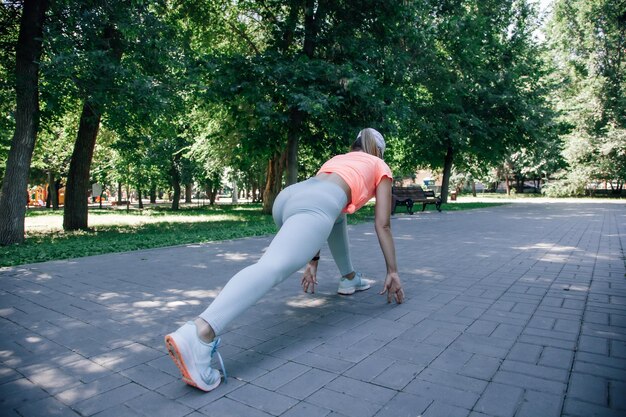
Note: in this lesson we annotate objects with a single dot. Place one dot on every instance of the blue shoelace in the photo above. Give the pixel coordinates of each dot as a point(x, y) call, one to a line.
point(214, 351)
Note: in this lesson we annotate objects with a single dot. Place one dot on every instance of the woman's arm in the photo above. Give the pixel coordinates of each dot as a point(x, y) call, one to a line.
point(392, 286)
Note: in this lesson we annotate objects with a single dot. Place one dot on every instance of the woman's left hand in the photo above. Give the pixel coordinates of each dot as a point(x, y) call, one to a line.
point(309, 278)
point(393, 288)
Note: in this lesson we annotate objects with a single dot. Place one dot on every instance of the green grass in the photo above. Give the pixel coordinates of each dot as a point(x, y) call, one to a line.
point(217, 223)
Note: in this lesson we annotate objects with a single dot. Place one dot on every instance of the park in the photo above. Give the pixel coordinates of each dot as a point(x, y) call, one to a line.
point(143, 146)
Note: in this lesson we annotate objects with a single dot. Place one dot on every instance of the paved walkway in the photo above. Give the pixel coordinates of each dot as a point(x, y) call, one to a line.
point(518, 310)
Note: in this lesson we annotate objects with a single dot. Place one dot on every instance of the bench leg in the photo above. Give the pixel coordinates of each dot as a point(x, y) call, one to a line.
point(409, 207)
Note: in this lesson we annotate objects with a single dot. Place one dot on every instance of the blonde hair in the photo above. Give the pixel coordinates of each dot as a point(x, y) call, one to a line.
point(369, 141)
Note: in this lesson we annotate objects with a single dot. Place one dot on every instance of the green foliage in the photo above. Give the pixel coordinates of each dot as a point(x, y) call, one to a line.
point(587, 39)
point(9, 28)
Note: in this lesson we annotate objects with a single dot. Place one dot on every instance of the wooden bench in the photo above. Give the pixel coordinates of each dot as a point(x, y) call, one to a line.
point(408, 196)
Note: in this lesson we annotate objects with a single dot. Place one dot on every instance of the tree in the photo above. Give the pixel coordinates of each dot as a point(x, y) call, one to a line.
point(76, 206)
point(28, 52)
point(481, 93)
point(587, 42)
point(307, 75)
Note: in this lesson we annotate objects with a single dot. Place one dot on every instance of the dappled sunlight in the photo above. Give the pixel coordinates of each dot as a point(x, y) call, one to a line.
point(33, 339)
point(552, 257)
point(55, 222)
point(105, 296)
point(235, 256)
point(549, 246)
point(147, 304)
point(201, 293)
point(44, 277)
point(304, 301)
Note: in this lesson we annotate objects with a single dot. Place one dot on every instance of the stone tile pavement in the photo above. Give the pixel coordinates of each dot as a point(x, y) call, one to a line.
point(518, 310)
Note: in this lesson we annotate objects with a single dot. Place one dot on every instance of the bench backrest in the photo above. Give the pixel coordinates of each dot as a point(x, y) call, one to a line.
point(403, 193)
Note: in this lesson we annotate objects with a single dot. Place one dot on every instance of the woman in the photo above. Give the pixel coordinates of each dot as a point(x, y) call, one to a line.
point(307, 214)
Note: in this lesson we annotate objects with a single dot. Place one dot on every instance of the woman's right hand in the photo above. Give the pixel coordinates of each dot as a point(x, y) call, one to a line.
point(393, 288)
point(309, 278)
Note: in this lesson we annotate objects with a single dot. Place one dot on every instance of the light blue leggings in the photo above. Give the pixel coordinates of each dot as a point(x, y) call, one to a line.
point(307, 214)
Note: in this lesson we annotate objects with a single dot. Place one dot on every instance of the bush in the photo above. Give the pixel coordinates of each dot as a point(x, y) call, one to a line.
point(566, 187)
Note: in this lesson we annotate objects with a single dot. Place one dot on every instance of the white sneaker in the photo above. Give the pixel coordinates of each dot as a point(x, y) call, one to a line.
point(193, 357)
point(350, 286)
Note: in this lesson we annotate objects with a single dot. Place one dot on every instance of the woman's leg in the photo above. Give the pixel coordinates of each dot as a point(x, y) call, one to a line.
point(339, 246)
point(307, 220)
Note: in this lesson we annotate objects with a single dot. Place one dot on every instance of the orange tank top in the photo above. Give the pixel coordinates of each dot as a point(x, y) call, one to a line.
point(362, 172)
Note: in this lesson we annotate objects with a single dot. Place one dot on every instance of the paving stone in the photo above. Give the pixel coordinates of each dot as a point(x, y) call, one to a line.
point(225, 407)
point(577, 408)
point(540, 404)
point(481, 367)
point(359, 389)
point(148, 376)
point(525, 352)
point(617, 397)
point(155, 405)
point(441, 409)
point(280, 376)
point(588, 388)
point(529, 382)
point(543, 372)
point(306, 384)
point(398, 375)
point(600, 370)
point(453, 380)
point(262, 399)
point(458, 397)
point(404, 405)
point(324, 363)
point(343, 404)
point(14, 394)
point(482, 327)
point(304, 409)
point(109, 399)
point(369, 368)
point(451, 360)
point(120, 410)
point(48, 406)
point(499, 400)
point(557, 358)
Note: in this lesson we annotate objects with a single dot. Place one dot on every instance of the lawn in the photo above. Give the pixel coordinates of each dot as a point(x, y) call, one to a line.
point(122, 231)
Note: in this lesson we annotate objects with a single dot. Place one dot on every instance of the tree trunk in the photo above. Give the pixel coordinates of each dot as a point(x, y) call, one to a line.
point(175, 178)
point(119, 193)
point(273, 184)
point(473, 188)
point(50, 189)
point(153, 194)
point(55, 195)
point(313, 15)
point(75, 212)
point(447, 169)
point(188, 191)
point(13, 195)
point(140, 197)
point(295, 122)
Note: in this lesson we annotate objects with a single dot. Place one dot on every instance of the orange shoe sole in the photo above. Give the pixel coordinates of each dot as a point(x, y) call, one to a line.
point(174, 353)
